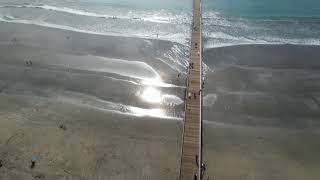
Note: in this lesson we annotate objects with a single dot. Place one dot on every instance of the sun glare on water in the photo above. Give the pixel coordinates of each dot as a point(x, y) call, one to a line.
point(151, 95)
point(148, 112)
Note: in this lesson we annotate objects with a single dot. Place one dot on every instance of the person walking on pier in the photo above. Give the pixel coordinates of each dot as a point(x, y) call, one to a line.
point(189, 95)
point(191, 65)
point(195, 176)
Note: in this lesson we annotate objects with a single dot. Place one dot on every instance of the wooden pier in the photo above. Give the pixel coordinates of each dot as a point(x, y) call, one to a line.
point(191, 157)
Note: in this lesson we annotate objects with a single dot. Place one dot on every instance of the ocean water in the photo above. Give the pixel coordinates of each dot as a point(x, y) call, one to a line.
point(233, 22)
point(142, 18)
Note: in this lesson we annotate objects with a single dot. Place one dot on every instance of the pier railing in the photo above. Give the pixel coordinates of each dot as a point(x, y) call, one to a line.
point(191, 155)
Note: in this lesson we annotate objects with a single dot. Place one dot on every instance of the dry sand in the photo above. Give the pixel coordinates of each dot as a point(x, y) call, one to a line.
point(91, 144)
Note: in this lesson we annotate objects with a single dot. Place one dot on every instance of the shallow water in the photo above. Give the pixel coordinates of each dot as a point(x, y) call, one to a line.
point(138, 19)
point(261, 22)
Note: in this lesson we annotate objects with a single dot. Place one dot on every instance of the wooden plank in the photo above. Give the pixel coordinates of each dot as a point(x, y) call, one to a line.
point(191, 148)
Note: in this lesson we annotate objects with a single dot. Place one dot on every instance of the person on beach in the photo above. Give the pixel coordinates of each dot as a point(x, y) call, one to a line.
point(29, 63)
point(63, 127)
point(33, 164)
point(197, 160)
point(203, 169)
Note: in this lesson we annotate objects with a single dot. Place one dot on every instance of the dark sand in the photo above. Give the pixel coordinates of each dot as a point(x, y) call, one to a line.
point(262, 111)
point(73, 115)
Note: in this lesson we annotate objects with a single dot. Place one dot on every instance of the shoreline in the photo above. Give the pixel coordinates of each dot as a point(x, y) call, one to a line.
point(45, 107)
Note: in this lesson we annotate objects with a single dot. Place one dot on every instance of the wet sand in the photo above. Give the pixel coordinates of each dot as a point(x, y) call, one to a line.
point(261, 112)
point(168, 58)
point(82, 117)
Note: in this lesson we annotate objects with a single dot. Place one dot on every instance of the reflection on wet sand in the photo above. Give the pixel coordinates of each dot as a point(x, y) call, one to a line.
point(115, 105)
point(148, 112)
point(261, 112)
point(151, 95)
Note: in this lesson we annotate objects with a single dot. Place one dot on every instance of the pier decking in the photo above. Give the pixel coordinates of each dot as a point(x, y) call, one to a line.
point(191, 158)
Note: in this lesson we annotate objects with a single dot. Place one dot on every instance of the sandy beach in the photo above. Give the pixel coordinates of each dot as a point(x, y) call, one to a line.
point(261, 112)
point(95, 90)
point(81, 109)
point(91, 144)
